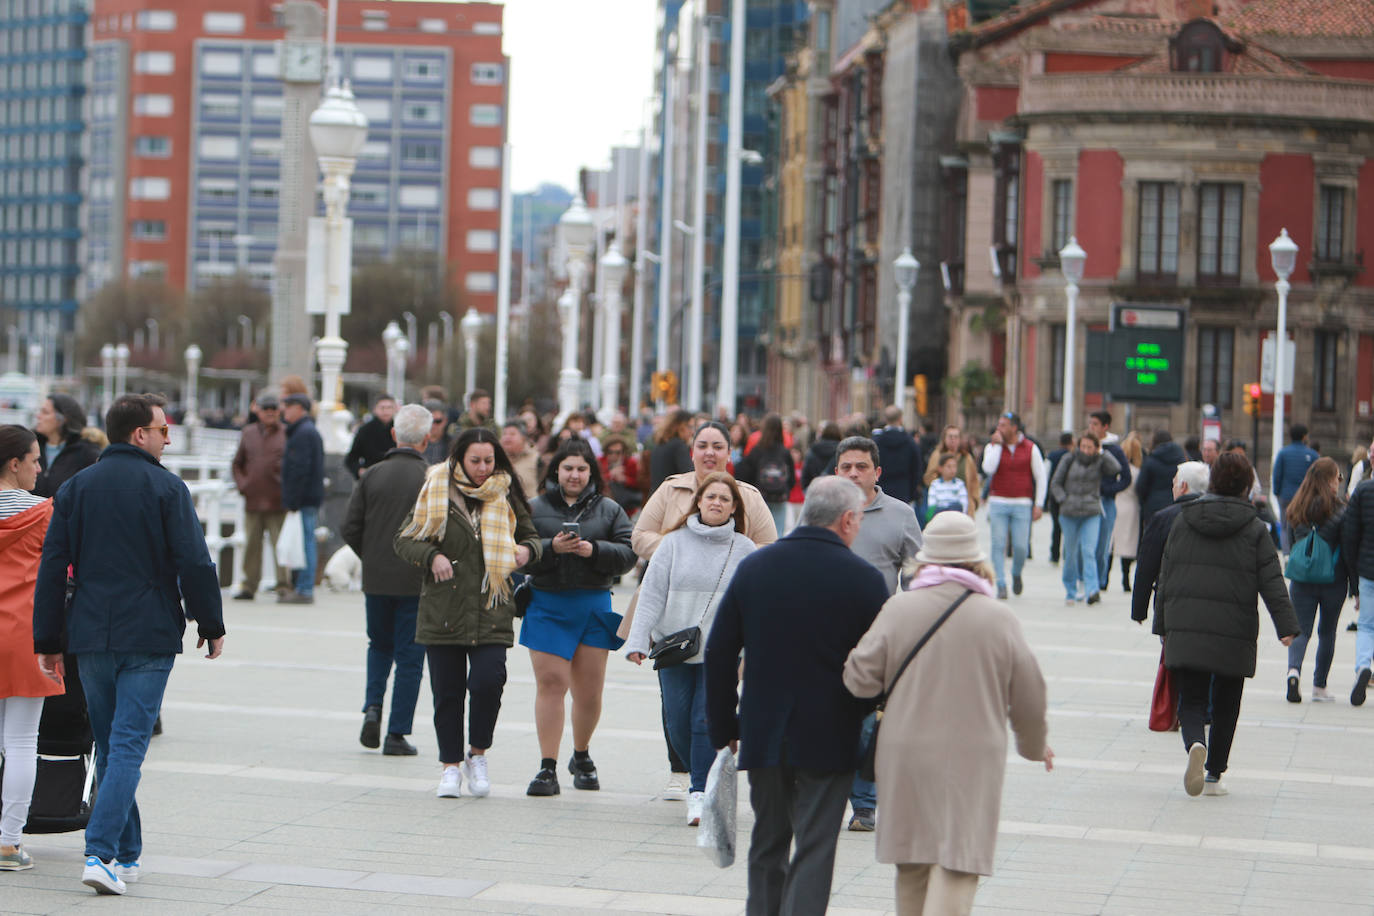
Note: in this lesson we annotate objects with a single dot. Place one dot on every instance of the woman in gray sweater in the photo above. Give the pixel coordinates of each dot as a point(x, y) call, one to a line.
point(1077, 487)
point(682, 588)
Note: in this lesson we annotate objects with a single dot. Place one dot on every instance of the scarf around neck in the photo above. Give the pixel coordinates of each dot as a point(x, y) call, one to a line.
point(938, 575)
point(495, 527)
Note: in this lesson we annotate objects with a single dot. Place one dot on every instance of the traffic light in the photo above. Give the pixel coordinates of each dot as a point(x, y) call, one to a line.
point(664, 387)
point(1252, 399)
point(919, 384)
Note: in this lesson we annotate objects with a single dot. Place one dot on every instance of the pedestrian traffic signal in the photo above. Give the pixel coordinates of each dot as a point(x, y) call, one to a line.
point(1252, 399)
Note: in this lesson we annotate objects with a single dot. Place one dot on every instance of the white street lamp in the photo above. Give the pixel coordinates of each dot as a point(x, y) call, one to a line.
point(246, 324)
point(734, 159)
point(614, 267)
point(193, 356)
point(121, 354)
point(390, 335)
point(151, 325)
point(446, 319)
point(569, 377)
point(1283, 255)
point(576, 232)
point(398, 387)
point(471, 326)
point(107, 358)
point(905, 269)
point(1071, 260)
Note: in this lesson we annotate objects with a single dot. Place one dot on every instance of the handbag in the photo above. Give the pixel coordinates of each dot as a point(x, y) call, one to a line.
point(868, 767)
point(1164, 703)
point(676, 648)
point(1313, 560)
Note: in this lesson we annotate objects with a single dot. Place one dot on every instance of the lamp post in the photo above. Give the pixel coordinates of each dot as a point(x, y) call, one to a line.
point(193, 356)
point(576, 231)
point(1071, 260)
point(446, 319)
point(246, 324)
point(471, 326)
point(107, 358)
point(905, 269)
point(390, 335)
point(1283, 255)
point(734, 158)
point(151, 325)
point(614, 267)
point(121, 355)
point(398, 387)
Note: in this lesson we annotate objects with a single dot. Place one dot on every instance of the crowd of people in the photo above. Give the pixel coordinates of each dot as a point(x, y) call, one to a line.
point(743, 538)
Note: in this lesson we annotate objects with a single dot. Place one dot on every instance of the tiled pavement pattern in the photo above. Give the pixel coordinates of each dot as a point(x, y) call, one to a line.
point(258, 798)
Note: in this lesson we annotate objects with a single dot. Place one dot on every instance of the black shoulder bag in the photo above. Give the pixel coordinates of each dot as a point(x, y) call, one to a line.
point(676, 648)
point(868, 766)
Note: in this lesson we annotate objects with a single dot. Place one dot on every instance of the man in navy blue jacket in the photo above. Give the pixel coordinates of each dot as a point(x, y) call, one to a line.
point(1290, 467)
point(128, 528)
point(796, 608)
point(302, 488)
point(900, 454)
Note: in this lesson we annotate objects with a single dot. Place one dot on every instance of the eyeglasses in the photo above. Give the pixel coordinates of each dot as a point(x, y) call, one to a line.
point(437, 423)
point(162, 429)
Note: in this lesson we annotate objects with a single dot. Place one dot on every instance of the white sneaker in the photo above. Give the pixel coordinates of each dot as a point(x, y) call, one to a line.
point(127, 871)
point(450, 784)
point(1193, 776)
point(101, 877)
point(676, 789)
point(475, 772)
point(695, 802)
point(1322, 695)
point(1214, 787)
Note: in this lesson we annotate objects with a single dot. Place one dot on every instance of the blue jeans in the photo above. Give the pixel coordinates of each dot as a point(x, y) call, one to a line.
point(1307, 599)
point(391, 638)
point(1080, 553)
point(864, 794)
point(305, 578)
point(1012, 521)
point(1364, 638)
point(1104, 542)
point(123, 697)
point(684, 704)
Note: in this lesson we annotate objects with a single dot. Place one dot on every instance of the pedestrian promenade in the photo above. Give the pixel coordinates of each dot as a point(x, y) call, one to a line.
point(259, 799)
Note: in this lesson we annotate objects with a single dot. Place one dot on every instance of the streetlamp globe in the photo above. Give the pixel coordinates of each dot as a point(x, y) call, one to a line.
point(576, 228)
point(193, 356)
point(1283, 254)
point(614, 267)
point(338, 127)
point(1072, 259)
point(107, 353)
point(122, 352)
point(471, 326)
point(905, 269)
point(391, 334)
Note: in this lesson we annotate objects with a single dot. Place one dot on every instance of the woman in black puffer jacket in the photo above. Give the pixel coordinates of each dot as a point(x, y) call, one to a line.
point(63, 450)
point(569, 627)
point(1155, 482)
point(1318, 506)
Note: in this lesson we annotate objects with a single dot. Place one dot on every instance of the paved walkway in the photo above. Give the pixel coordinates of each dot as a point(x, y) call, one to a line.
point(259, 799)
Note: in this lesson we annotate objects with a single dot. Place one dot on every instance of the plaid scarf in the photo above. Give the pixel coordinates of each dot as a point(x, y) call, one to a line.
point(495, 528)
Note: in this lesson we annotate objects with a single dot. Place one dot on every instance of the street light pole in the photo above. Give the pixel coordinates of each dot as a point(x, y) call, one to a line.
point(613, 270)
point(446, 319)
point(729, 294)
point(576, 230)
point(1283, 254)
point(390, 334)
point(905, 270)
point(193, 356)
point(641, 269)
point(695, 365)
point(121, 354)
point(107, 358)
point(500, 375)
point(472, 327)
point(665, 206)
point(1071, 261)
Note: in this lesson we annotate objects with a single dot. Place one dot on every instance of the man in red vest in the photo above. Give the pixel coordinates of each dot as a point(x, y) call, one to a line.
point(1018, 482)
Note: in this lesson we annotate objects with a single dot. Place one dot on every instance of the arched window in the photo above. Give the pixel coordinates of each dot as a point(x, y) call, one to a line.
point(1199, 47)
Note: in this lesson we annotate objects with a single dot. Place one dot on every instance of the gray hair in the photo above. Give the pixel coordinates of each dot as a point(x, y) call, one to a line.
point(412, 424)
point(1194, 475)
point(829, 498)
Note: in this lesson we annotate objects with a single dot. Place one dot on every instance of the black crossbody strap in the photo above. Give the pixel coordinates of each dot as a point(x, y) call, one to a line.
point(920, 643)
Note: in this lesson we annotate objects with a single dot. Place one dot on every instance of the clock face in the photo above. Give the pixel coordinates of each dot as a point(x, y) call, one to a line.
point(302, 62)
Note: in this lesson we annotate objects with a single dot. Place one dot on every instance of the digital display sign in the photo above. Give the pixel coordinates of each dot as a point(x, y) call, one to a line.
point(1145, 354)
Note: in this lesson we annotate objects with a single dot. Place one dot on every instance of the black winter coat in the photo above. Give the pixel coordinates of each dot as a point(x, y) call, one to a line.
point(750, 470)
point(602, 521)
point(1155, 482)
point(1150, 555)
point(377, 507)
point(371, 443)
point(1218, 561)
point(78, 453)
point(1357, 533)
point(818, 460)
point(302, 466)
point(900, 458)
point(666, 459)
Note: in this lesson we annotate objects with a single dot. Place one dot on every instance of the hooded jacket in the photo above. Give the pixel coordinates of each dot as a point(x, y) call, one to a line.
point(1218, 561)
point(21, 544)
point(1155, 482)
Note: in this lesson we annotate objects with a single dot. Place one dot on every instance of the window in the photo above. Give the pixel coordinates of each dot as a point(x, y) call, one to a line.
point(1062, 230)
point(212, 147)
point(422, 112)
point(416, 196)
point(419, 235)
point(374, 20)
point(149, 230)
point(481, 240)
point(263, 231)
point(157, 63)
point(265, 65)
point(223, 23)
point(1198, 48)
point(265, 148)
point(487, 74)
point(1215, 349)
point(1218, 235)
point(369, 194)
point(1330, 242)
point(486, 28)
point(369, 235)
point(1006, 158)
point(149, 188)
point(375, 151)
point(378, 111)
point(485, 116)
point(218, 189)
point(221, 105)
point(153, 105)
point(484, 157)
point(420, 152)
point(266, 107)
point(1157, 239)
point(424, 69)
point(1324, 355)
point(264, 190)
point(953, 235)
point(372, 69)
point(153, 147)
point(480, 281)
point(433, 25)
point(221, 63)
point(1057, 343)
point(483, 199)
point(147, 268)
point(157, 21)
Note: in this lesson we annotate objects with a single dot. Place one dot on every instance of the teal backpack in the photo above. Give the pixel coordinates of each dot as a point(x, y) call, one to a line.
point(1313, 560)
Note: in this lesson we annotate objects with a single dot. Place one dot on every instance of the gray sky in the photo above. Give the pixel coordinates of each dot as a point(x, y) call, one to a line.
point(581, 71)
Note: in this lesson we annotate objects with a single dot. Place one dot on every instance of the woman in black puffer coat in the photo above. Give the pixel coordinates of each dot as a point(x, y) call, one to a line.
point(1155, 482)
point(1218, 561)
point(63, 449)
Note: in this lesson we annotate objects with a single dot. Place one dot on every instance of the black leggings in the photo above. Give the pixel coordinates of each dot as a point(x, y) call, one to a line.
point(480, 673)
point(1195, 689)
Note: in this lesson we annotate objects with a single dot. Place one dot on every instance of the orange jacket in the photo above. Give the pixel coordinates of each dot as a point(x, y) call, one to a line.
point(21, 544)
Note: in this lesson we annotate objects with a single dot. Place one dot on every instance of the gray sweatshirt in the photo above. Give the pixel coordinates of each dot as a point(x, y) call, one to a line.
point(889, 537)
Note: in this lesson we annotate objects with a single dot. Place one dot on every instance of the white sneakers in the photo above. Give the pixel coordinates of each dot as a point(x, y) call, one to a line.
point(1322, 695)
point(1194, 775)
point(676, 789)
point(475, 772)
point(450, 784)
point(127, 871)
point(102, 877)
point(1214, 787)
point(695, 802)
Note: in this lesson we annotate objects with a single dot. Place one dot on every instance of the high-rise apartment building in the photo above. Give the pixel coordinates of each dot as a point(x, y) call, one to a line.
point(186, 120)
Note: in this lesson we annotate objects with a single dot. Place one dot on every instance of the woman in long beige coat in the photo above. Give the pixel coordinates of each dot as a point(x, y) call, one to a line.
point(942, 747)
point(1126, 532)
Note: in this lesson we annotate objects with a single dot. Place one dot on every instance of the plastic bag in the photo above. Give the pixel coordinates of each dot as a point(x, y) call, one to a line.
point(290, 548)
point(716, 834)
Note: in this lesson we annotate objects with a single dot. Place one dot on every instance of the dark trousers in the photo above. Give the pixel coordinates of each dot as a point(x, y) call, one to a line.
point(1056, 533)
point(794, 805)
point(1194, 690)
point(675, 762)
point(1307, 599)
point(391, 640)
point(480, 673)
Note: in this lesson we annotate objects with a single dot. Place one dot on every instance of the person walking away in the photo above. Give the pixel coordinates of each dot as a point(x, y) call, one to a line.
point(682, 589)
point(1290, 467)
point(1154, 483)
point(373, 439)
point(1016, 492)
point(795, 609)
point(671, 454)
point(901, 458)
point(127, 529)
point(64, 447)
point(1051, 504)
point(945, 720)
point(1100, 425)
point(257, 475)
point(466, 616)
point(768, 467)
point(515, 442)
point(947, 493)
point(821, 456)
point(391, 587)
point(1126, 532)
point(1190, 483)
point(1218, 561)
point(302, 489)
point(569, 628)
point(1357, 551)
point(1317, 509)
point(1077, 486)
point(23, 522)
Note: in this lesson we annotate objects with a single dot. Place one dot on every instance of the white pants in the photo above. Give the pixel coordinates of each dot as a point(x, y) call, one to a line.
point(19, 737)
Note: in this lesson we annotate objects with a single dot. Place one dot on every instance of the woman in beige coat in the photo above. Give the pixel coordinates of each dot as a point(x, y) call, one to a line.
point(942, 749)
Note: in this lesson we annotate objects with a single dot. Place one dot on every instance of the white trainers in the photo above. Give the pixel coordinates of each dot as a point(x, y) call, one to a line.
point(127, 871)
point(1193, 776)
point(101, 877)
point(475, 772)
point(450, 784)
point(1322, 695)
point(676, 789)
point(695, 802)
point(1214, 787)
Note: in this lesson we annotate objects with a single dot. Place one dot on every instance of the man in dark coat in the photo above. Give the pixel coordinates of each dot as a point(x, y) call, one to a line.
point(1290, 467)
point(1357, 550)
point(1154, 483)
point(796, 608)
point(257, 474)
point(302, 488)
point(901, 458)
point(128, 529)
point(373, 439)
point(1190, 483)
point(391, 587)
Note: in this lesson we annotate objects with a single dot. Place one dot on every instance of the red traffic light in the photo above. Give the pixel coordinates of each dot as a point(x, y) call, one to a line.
point(1253, 389)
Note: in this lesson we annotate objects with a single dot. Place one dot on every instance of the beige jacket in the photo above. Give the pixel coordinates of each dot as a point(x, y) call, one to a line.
point(942, 749)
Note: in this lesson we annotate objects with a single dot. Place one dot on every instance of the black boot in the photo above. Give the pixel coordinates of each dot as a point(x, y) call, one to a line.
point(1126, 574)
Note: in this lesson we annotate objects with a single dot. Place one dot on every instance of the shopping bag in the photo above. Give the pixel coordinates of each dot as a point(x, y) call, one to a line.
point(290, 549)
point(716, 833)
point(1164, 705)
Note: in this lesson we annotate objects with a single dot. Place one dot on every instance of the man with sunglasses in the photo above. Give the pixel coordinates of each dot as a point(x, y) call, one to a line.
point(128, 529)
